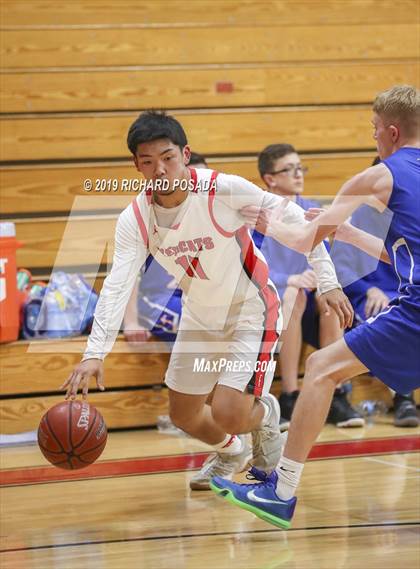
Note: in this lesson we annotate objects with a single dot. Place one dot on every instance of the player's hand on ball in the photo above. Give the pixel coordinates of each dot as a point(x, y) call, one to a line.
point(336, 300)
point(79, 378)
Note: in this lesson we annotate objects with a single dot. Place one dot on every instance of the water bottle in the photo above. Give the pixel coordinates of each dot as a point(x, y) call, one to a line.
point(33, 321)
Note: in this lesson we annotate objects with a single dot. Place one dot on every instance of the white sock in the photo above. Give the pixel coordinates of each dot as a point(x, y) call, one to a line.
point(289, 473)
point(231, 444)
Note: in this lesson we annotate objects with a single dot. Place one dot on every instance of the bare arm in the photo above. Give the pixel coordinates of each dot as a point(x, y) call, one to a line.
point(367, 242)
point(372, 187)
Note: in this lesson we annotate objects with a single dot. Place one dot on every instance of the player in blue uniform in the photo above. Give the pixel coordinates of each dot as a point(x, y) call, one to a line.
point(387, 344)
point(370, 286)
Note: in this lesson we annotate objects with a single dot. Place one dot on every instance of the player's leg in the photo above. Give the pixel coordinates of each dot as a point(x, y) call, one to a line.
point(232, 453)
point(190, 413)
point(242, 396)
point(325, 369)
point(341, 413)
point(241, 401)
point(236, 411)
point(293, 306)
point(191, 380)
point(273, 499)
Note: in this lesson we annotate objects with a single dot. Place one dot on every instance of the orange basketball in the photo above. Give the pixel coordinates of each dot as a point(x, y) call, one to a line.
point(72, 434)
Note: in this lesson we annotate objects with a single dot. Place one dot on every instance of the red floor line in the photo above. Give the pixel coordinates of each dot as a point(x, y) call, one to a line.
point(162, 464)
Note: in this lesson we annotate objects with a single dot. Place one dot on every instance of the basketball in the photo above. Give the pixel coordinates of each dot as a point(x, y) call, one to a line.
point(72, 435)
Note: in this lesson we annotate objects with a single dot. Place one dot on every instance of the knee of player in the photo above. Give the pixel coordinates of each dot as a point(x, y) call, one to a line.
point(179, 418)
point(319, 368)
point(230, 422)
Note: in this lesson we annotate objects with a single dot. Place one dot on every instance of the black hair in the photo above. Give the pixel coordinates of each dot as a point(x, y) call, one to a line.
point(197, 158)
point(270, 154)
point(376, 161)
point(152, 125)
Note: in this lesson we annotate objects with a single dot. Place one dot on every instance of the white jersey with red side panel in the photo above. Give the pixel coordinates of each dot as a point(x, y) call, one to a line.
point(208, 249)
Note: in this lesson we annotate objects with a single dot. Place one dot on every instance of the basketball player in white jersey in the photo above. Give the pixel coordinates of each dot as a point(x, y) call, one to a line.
point(190, 221)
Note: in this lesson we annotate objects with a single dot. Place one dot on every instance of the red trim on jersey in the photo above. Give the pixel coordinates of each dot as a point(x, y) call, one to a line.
point(257, 271)
point(212, 195)
point(193, 178)
point(142, 227)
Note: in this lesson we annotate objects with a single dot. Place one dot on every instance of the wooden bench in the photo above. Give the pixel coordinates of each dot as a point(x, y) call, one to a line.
point(134, 396)
point(32, 373)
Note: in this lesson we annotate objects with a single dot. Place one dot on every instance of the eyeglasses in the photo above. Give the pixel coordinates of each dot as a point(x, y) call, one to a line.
point(291, 170)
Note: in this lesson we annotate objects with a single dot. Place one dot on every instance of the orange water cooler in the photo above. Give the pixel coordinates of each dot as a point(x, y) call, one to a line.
point(9, 296)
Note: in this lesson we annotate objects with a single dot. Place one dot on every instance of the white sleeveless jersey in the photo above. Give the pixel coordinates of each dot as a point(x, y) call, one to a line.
point(208, 249)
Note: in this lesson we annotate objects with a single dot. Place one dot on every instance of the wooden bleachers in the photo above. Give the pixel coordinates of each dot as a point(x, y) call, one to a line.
point(269, 43)
point(268, 84)
point(27, 189)
point(243, 131)
point(238, 74)
point(155, 13)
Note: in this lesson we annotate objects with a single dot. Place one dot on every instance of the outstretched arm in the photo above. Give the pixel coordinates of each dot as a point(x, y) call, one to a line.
point(367, 242)
point(349, 233)
point(372, 187)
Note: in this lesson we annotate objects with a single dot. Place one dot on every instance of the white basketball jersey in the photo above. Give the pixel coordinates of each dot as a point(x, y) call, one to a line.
point(208, 249)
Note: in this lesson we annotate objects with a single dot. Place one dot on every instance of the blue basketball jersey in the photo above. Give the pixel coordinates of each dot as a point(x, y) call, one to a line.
point(389, 343)
point(403, 240)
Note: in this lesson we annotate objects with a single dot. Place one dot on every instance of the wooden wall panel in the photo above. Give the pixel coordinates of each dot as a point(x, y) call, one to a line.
point(104, 47)
point(152, 13)
point(310, 84)
point(57, 242)
point(213, 132)
point(120, 409)
point(55, 188)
